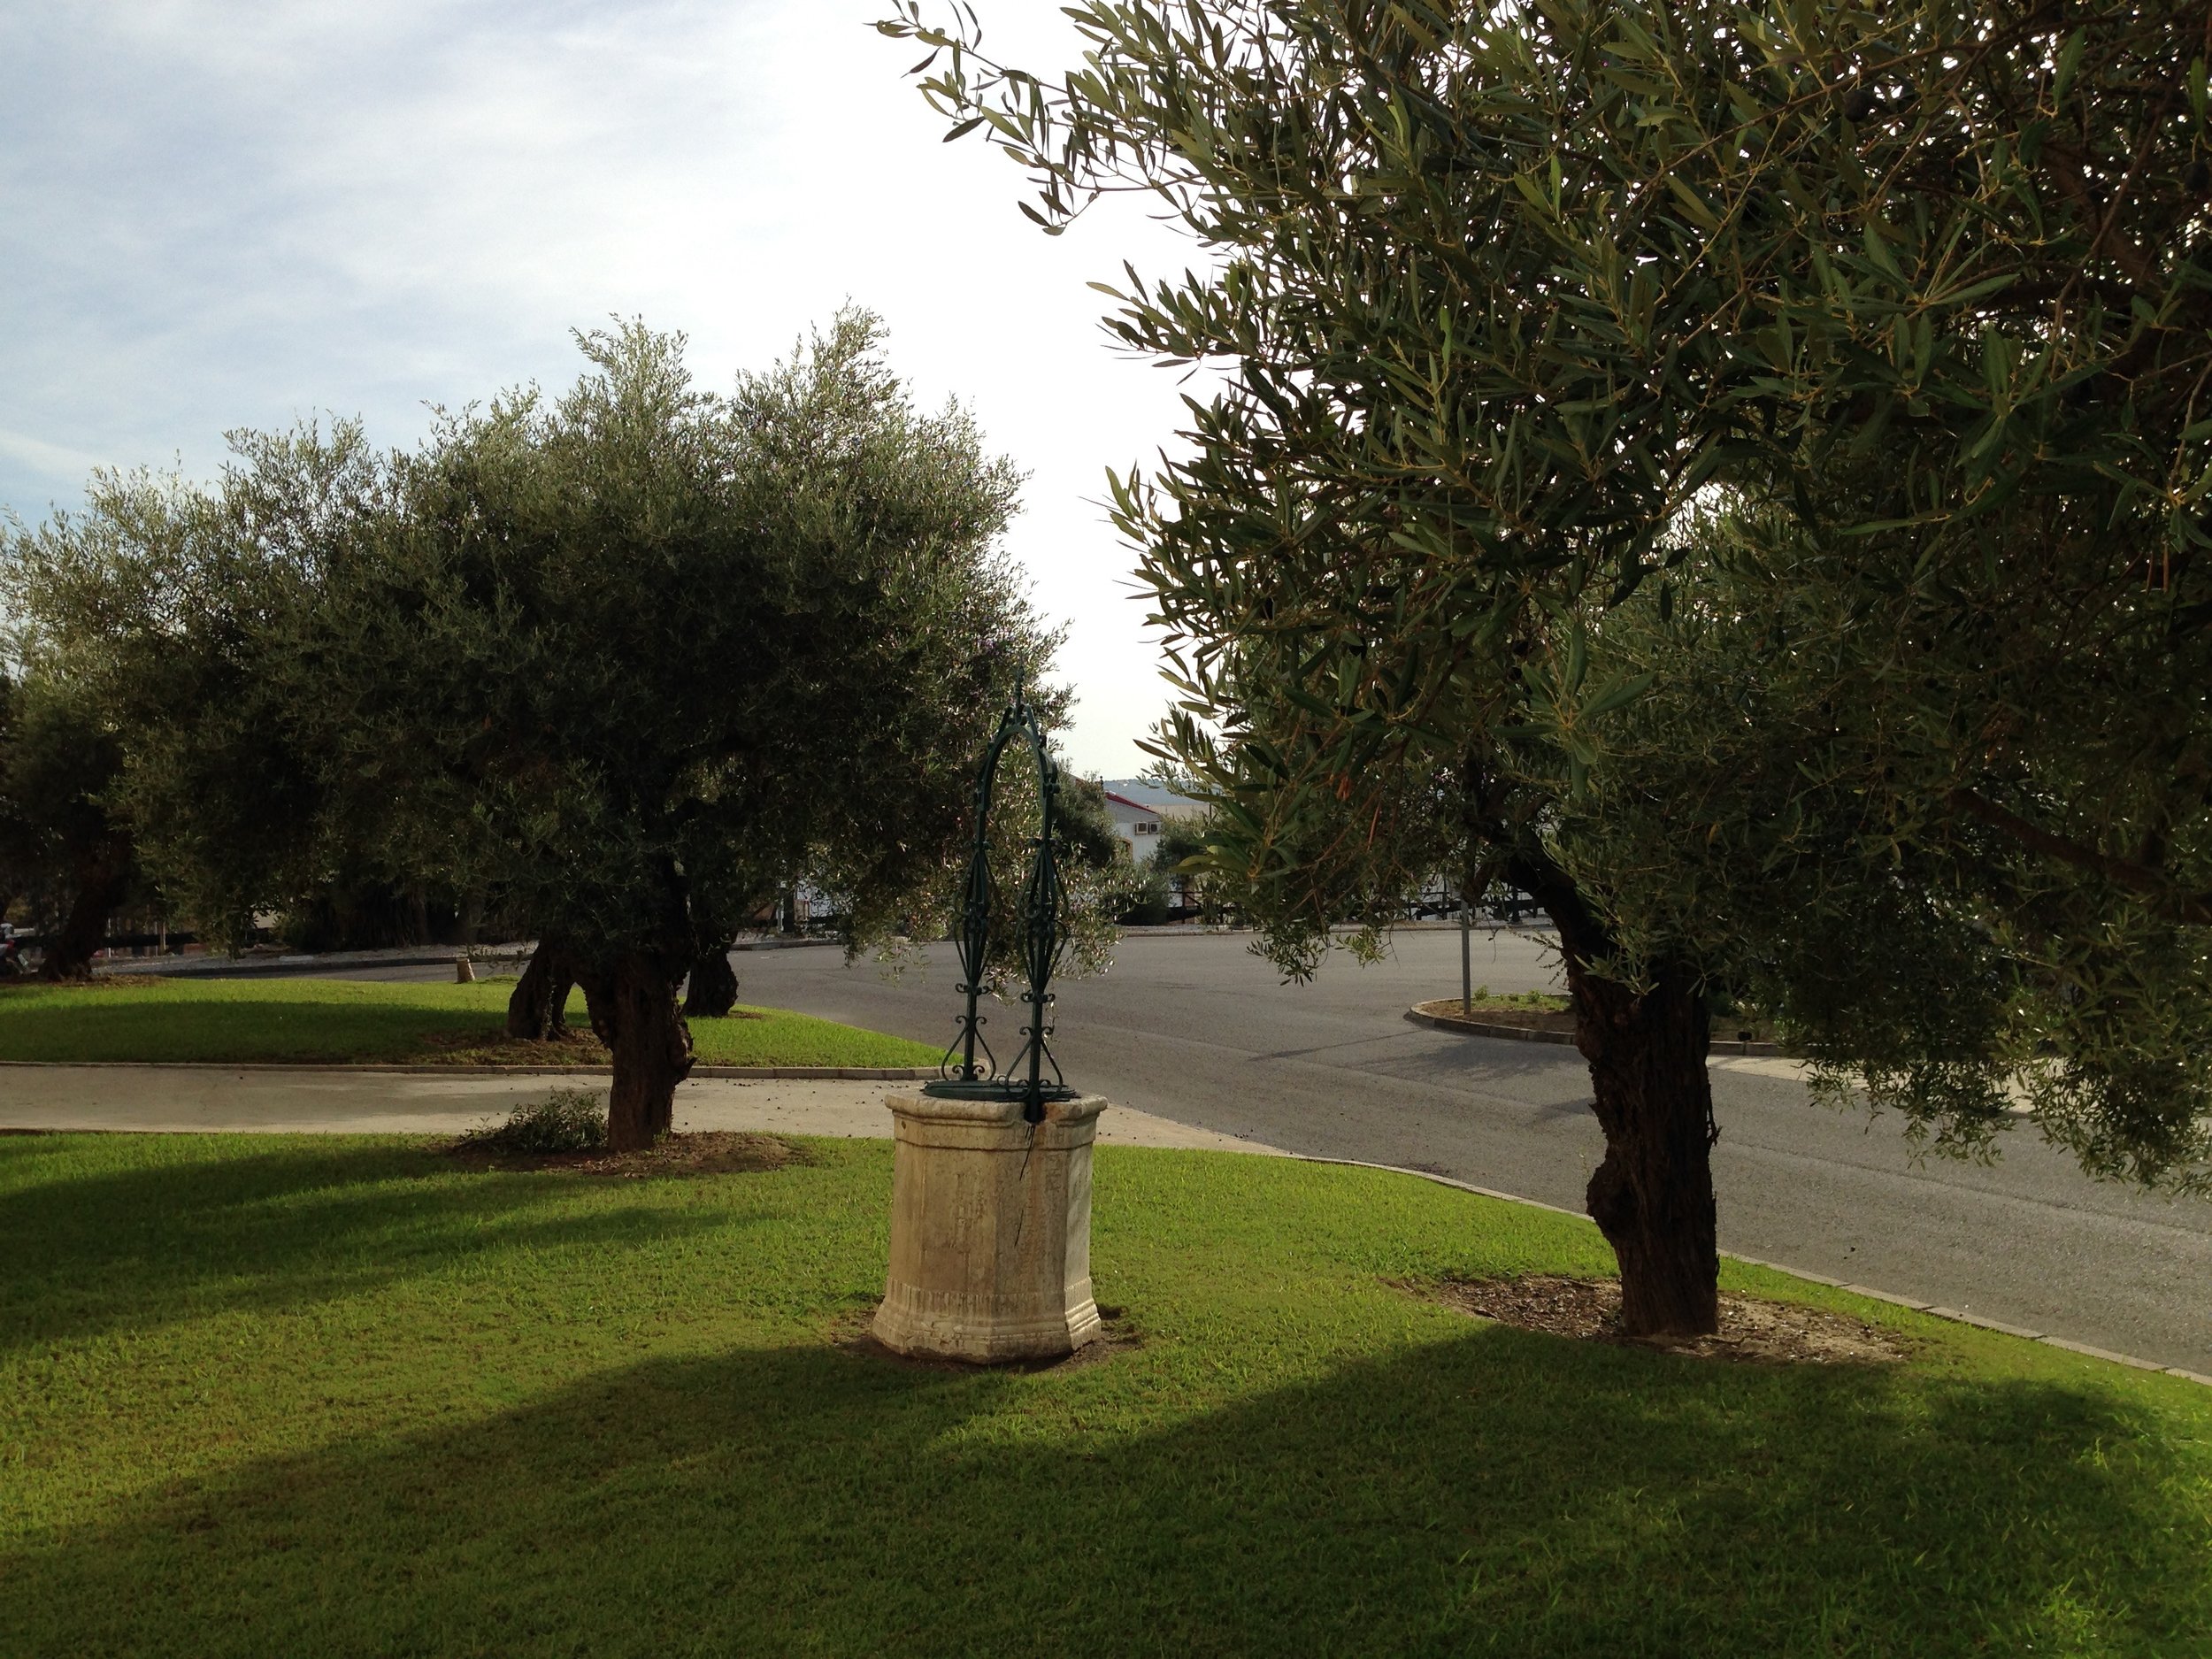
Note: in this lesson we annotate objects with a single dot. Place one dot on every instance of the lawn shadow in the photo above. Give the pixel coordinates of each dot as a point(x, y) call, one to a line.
point(294, 1028)
point(1492, 1490)
point(271, 1225)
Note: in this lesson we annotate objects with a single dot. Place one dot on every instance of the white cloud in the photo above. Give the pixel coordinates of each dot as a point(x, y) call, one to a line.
point(67, 467)
point(226, 215)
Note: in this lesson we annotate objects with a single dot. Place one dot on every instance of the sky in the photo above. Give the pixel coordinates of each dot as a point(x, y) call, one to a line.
point(243, 214)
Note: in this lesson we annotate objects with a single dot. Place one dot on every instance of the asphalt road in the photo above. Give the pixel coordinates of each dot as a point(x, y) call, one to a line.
point(1196, 1030)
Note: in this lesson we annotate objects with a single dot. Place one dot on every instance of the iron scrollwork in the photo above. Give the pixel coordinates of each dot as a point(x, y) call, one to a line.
point(969, 1070)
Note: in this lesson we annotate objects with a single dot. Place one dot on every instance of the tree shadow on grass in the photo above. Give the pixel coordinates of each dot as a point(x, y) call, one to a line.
point(294, 1028)
point(264, 1226)
point(1496, 1491)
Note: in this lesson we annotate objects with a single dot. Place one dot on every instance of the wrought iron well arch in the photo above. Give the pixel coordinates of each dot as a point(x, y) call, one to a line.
point(961, 1075)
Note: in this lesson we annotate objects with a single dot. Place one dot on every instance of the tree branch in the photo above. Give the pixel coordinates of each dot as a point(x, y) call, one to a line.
point(2137, 877)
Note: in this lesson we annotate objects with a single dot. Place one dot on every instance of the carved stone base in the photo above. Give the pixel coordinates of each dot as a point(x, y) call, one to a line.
point(990, 1230)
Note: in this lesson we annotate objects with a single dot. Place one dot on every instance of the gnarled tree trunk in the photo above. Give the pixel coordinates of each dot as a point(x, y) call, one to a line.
point(632, 1003)
point(711, 991)
point(1653, 1195)
point(537, 1011)
point(102, 884)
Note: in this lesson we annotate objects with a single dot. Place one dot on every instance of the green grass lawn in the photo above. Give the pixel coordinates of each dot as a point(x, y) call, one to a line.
point(278, 1396)
point(384, 1021)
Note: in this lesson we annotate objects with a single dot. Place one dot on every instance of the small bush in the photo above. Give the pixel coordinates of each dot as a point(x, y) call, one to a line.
point(1144, 902)
point(1546, 1000)
point(568, 1120)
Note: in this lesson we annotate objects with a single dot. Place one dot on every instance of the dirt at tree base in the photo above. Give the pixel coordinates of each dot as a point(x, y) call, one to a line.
point(576, 1046)
point(708, 1152)
point(492, 1046)
point(1751, 1327)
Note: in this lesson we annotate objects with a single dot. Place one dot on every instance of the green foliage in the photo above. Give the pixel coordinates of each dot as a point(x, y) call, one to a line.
point(642, 655)
point(1185, 853)
point(567, 1120)
point(58, 758)
point(1544, 1001)
point(1086, 825)
point(176, 611)
point(1736, 471)
point(615, 665)
point(321, 1395)
point(1145, 904)
point(63, 849)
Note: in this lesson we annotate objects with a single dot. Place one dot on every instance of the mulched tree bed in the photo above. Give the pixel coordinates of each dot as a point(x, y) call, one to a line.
point(707, 1152)
point(1751, 1327)
point(492, 1046)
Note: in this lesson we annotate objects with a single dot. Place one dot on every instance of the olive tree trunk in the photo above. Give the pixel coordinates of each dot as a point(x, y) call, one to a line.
point(101, 884)
point(632, 1003)
point(711, 991)
point(1652, 1197)
point(537, 1010)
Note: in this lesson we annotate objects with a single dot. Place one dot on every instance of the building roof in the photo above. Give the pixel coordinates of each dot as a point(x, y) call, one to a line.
point(1147, 797)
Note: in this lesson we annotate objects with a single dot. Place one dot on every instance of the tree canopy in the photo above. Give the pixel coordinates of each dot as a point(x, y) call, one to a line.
point(62, 850)
point(1736, 471)
point(626, 661)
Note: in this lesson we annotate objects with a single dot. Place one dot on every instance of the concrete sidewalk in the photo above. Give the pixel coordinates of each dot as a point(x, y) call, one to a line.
point(309, 1100)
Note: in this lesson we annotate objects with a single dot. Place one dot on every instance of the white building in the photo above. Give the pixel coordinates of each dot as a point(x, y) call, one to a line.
point(1138, 809)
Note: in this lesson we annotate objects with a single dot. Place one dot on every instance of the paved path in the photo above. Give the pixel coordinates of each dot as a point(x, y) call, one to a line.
point(309, 1101)
point(1197, 1031)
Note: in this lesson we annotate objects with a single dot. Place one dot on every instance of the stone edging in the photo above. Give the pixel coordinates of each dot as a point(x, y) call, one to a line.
point(850, 1073)
point(1955, 1315)
point(1524, 1033)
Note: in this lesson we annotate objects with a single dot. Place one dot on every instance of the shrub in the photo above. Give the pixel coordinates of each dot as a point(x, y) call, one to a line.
point(567, 1120)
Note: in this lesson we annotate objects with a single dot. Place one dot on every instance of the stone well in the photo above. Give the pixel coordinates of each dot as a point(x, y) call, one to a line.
point(990, 1229)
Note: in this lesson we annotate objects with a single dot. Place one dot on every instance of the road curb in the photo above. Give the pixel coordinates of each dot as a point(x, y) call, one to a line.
point(299, 964)
point(1954, 1315)
point(864, 1074)
point(1470, 1027)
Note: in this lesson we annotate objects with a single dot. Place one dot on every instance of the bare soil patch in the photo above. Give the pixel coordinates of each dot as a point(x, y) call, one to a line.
point(1751, 1327)
point(709, 1152)
point(1117, 1334)
point(492, 1046)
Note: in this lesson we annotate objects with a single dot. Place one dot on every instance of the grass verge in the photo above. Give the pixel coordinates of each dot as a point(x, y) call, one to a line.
point(302, 1395)
point(382, 1022)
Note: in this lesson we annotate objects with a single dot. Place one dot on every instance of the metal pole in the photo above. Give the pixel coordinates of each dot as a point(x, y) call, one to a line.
point(1466, 959)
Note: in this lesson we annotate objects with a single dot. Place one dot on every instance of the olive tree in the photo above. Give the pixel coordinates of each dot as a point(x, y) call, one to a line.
point(169, 607)
point(637, 658)
point(61, 846)
point(1507, 296)
point(626, 661)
